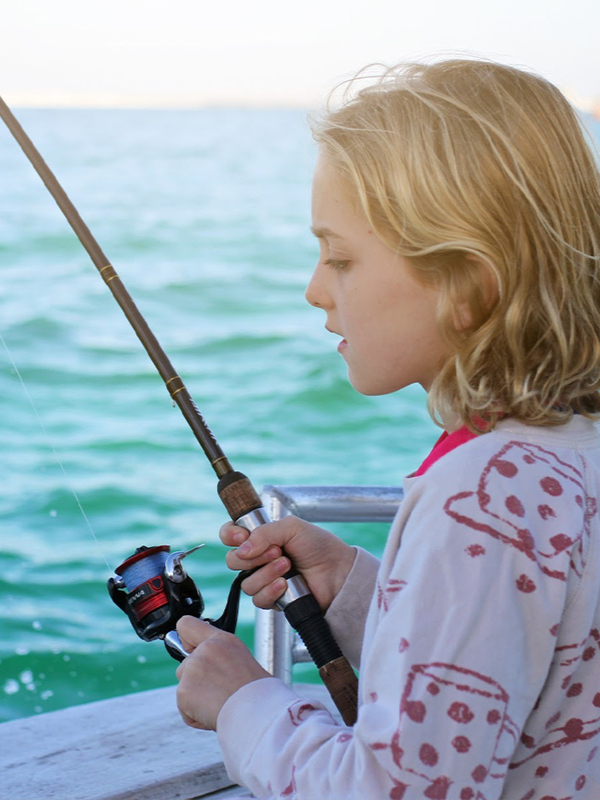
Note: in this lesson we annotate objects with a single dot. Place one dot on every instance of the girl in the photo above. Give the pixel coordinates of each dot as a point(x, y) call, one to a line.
point(457, 208)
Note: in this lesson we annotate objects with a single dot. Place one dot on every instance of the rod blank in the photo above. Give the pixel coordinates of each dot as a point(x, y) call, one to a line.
point(173, 382)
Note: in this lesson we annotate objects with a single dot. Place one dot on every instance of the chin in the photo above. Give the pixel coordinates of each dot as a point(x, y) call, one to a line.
point(375, 388)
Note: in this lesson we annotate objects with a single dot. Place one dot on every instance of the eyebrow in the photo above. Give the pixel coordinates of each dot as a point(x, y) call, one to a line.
point(324, 233)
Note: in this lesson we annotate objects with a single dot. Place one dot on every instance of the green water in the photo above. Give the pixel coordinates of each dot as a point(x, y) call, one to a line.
point(205, 216)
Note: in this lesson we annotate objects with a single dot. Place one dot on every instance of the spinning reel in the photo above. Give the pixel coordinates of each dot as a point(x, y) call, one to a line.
point(155, 591)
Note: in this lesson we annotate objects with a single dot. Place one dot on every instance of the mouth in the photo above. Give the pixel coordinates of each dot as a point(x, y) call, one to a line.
point(343, 344)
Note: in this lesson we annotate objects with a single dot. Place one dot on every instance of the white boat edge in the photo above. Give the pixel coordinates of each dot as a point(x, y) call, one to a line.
point(134, 747)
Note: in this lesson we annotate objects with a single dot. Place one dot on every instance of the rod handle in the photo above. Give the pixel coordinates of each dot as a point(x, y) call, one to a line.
point(342, 685)
point(238, 495)
point(304, 614)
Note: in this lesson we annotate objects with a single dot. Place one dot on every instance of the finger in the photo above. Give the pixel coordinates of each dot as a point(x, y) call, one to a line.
point(233, 535)
point(194, 631)
point(268, 596)
point(187, 646)
point(263, 537)
point(236, 561)
point(266, 575)
point(191, 722)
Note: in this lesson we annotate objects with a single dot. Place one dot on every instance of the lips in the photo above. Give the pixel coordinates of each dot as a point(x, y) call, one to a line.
point(343, 344)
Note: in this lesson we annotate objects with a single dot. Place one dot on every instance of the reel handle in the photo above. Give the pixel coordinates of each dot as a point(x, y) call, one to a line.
point(298, 604)
point(226, 622)
point(174, 646)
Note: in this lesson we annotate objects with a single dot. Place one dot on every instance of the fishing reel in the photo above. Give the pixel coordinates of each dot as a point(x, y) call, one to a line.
point(155, 591)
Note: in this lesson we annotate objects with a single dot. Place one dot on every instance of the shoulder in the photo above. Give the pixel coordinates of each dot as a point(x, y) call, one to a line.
point(523, 454)
point(531, 489)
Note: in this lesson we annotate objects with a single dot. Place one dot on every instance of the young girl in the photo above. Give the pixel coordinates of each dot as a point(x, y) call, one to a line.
point(457, 208)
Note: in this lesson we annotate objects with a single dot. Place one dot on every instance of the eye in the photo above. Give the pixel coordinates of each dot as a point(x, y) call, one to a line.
point(335, 263)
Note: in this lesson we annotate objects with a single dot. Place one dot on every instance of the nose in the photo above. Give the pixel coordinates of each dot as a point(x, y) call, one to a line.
point(316, 292)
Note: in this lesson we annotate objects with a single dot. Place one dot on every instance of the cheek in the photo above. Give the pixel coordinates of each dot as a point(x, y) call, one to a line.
point(421, 307)
point(408, 328)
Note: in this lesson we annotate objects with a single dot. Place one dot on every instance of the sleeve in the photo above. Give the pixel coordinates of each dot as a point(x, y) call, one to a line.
point(457, 648)
point(347, 614)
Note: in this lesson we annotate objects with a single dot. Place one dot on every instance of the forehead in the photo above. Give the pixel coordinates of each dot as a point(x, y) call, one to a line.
point(331, 203)
point(325, 176)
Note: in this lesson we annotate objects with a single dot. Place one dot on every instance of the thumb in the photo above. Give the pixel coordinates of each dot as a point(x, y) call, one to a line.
point(193, 631)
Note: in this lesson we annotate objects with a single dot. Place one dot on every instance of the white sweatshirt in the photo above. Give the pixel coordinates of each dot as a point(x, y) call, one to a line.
point(480, 658)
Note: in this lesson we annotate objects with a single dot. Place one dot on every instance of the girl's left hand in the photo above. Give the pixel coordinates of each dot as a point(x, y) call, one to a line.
point(218, 665)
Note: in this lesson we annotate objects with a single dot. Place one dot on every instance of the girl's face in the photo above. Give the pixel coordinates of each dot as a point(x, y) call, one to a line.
point(387, 319)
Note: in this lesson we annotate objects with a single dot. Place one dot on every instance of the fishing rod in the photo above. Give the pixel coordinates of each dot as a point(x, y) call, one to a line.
point(152, 586)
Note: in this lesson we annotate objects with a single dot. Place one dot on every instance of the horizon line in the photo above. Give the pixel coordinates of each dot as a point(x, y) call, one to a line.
point(67, 100)
point(116, 101)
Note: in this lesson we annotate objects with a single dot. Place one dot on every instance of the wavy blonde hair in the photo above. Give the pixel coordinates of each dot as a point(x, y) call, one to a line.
point(466, 167)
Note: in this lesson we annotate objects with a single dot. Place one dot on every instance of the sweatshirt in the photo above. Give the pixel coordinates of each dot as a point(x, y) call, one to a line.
point(477, 638)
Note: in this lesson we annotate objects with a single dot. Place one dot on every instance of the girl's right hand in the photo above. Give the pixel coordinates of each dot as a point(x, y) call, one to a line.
point(323, 559)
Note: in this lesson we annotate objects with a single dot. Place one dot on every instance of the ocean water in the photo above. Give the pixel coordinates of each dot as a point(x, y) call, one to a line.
point(205, 215)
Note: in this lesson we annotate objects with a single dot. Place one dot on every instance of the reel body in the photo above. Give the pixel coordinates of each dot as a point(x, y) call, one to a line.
point(155, 591)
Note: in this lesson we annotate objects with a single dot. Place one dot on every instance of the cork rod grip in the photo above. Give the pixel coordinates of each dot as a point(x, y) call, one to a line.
point(342, 685)
point(238, 495)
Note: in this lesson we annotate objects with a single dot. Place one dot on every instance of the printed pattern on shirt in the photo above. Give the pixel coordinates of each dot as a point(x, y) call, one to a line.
point(495, 508)
point(458, 697)
point(561, 730)
point(386, 595)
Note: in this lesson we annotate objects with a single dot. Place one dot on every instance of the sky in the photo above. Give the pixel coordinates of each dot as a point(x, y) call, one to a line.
point(273, 52)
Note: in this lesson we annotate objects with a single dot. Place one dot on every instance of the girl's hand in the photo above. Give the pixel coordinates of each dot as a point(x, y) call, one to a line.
point(323, 559)
point(218, 665)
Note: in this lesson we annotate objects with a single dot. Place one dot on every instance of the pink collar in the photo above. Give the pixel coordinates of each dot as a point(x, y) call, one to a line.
point(446, 443)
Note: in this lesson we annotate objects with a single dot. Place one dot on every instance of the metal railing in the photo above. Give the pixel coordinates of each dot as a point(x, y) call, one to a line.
point(276, 646)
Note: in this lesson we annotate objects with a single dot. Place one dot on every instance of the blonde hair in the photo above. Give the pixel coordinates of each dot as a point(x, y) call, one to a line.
point(470, 166)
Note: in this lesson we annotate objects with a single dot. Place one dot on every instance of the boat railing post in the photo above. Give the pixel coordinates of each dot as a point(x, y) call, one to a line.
point(273, 637)
point(276, 646)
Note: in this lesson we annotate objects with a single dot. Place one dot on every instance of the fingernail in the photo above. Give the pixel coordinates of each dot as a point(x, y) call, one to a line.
point(239, 537)
point(282, 565)
point(244, 549)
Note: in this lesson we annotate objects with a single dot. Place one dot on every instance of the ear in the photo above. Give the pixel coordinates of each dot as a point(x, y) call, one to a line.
point(483, 293)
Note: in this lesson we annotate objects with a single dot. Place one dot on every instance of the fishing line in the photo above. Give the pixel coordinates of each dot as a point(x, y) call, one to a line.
point(239, 497)
point(51, 446)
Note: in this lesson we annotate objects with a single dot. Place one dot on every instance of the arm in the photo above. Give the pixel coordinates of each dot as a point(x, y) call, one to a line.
point(347, 614)
point(456, 652)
